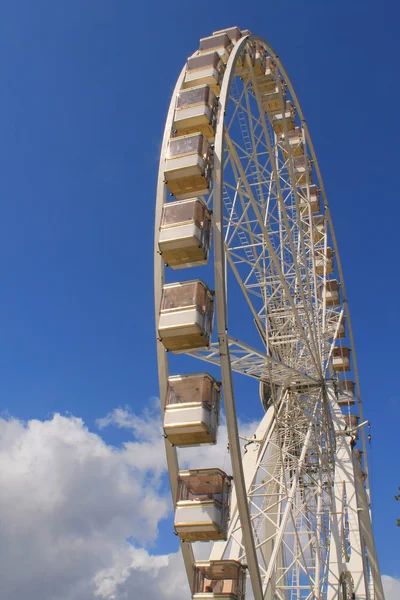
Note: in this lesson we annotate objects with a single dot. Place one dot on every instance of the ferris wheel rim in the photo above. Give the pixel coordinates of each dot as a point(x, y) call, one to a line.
point(162, 360)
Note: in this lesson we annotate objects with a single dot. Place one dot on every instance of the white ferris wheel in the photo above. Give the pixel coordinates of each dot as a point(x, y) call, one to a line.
point(243, 229)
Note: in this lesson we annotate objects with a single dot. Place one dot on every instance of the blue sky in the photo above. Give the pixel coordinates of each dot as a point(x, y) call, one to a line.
point(85, 90)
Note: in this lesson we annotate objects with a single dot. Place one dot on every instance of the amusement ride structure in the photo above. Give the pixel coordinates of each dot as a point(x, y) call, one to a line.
point(241, 204)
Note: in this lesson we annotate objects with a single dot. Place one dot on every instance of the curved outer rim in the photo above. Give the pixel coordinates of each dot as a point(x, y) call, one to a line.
point(162, 360)
point(220, 290)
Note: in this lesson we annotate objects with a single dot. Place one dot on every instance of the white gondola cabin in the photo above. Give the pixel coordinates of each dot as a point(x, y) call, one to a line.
point(186, 316)
point(346, 389)
point(188, 166)
point(195, 111)
point(302, 169)
point(271, 99)
point(318, 222)
point(233, 33)
point(324, 261)
point(288, 115)
point(294, 141)
point(220, 43)
point(192, 408)
point(219, 580)
point(332, 296)
point(185, 233)
point(202, 507)
point(204, 69)
point(336, 328)
point(310, 197)
point(270, 73)
point(257, 55)
point(341, 359)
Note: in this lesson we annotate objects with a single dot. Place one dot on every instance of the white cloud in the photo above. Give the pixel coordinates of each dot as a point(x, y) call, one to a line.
point(69, 502)
point(136, 574)
point(147, 450)
point(391, 587)
point(147, 431)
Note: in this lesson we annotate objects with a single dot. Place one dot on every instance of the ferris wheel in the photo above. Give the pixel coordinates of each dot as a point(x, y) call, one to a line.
point(243, 230)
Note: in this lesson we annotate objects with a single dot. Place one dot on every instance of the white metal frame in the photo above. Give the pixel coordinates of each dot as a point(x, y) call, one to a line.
point(288, 526)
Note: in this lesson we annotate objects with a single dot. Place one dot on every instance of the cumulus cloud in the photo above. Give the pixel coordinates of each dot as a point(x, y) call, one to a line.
point(147, 450)
point(69, 502)
point(147, 430)
point(391, 587)
point(136, 574)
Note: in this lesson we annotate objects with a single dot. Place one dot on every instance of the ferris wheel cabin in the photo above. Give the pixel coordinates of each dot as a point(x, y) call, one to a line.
point(332, 296)
point(287, 115)
point(264, 69)
point(258, 57)
point(202, 507)
point(341, 359)
point(195, 111)
point(233, 33)
point(185, 233)
point(219, 580)
point(192, 409)
point(270, 69)
point(310, 197)
point(302, 169)
point(294, 141)
point(336, 328)
point(318, 227)
point(219, 43)
point(186, 316)
point(188, 166)
point(271, 99)
point(324, 261)
point(346, 392)
point(204, 69)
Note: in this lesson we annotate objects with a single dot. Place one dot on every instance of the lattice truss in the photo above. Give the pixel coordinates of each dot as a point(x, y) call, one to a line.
point(270, 243)
point(290, 499)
